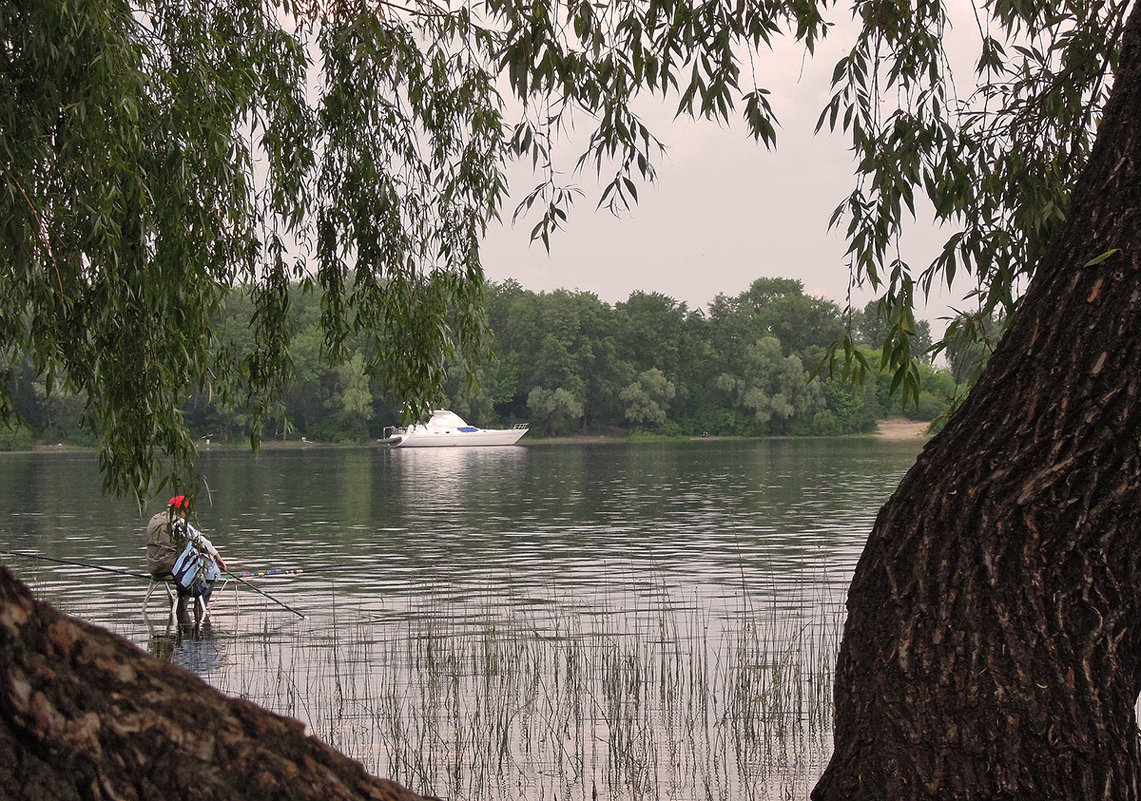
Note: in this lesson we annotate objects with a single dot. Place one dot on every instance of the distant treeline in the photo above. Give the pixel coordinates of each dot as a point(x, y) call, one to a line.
point(568, 362)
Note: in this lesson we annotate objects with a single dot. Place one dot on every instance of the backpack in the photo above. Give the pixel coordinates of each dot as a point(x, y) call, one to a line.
point(161, 549)
point(195, 572)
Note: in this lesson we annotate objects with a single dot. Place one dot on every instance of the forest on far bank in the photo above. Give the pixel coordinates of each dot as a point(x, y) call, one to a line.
point(567, 362)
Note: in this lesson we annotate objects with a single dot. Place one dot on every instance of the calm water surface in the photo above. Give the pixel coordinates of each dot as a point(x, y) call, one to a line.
point(652, 620)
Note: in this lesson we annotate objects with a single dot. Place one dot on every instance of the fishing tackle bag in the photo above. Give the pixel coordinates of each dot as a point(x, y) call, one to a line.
point(194, 572)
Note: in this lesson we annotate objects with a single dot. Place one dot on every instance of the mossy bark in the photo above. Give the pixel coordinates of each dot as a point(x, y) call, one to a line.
point(84, 714)
point(993, 643)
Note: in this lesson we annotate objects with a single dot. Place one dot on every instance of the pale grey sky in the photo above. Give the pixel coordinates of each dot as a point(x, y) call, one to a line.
point(724, 211)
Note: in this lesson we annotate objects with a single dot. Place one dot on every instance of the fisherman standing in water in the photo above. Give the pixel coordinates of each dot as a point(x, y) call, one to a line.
point(177, 550)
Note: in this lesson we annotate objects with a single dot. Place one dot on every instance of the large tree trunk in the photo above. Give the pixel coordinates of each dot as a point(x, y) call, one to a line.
point(992, 645)
point(86, 715)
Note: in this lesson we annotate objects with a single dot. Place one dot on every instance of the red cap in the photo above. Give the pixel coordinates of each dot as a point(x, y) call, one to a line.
point(179, 502)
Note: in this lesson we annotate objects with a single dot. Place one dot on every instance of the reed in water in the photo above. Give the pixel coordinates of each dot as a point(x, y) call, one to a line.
point(662, 703)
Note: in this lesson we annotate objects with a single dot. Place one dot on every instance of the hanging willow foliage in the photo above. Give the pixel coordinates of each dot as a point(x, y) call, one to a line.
point(154, 154)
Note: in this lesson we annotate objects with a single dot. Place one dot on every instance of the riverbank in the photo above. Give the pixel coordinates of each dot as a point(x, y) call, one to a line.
point(895, 429)
point(901, 429)
point(898, 429)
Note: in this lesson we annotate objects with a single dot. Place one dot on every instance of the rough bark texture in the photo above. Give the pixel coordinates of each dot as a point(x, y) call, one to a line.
point(86, 715)
point(993, 648)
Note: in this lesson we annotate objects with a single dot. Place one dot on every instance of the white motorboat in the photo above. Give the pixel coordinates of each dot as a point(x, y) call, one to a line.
point(448, 430)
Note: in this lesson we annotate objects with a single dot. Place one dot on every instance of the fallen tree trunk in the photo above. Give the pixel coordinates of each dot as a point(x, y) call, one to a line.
point(84, 714)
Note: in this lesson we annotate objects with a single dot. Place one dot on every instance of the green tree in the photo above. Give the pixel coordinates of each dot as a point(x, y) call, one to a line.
point(556, 410)
point(848, 409)
point(774, 307)
point(647, 399)
point(513, 317)
point(350, 401)
point(305, 395)
point(770, 389)
point(652, 331)
point(571, 345)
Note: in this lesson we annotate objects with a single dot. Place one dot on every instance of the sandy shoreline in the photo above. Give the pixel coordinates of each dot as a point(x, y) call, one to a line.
point(896, 429)
point(900, 429)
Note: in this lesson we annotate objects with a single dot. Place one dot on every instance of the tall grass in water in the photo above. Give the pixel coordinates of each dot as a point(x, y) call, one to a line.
point(665, 704)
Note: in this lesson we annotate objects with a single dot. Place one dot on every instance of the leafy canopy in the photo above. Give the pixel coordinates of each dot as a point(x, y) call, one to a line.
point(154, 154)
point(995, 165)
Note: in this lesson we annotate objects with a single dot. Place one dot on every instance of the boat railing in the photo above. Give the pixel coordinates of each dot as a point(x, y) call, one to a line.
point(521, 426)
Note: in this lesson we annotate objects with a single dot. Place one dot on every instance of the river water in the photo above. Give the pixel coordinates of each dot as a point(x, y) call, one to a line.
point(613, 620)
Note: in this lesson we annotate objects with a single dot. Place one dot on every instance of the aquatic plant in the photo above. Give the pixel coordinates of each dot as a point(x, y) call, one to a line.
point(666, 702)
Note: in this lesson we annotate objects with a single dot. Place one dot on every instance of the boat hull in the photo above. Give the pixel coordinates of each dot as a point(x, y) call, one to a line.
point(428, 439)
point(447, 430)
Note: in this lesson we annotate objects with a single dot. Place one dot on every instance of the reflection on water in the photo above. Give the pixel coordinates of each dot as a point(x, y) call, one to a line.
point(655, 620)
point(192, 647)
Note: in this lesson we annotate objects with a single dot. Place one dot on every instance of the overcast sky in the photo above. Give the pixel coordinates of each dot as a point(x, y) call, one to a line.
point(724, 212)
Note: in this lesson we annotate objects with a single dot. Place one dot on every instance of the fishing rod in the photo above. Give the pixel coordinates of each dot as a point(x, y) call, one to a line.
point(104, 568)
point(287, 571)
point(262, 592)
point(277, 571)
point(136, 574)
point(296, 571)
